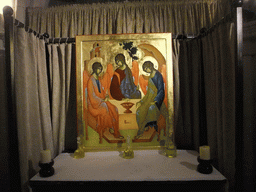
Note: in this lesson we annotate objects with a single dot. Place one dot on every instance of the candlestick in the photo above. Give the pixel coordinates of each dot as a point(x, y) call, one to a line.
point(204, 152)
point(204, 160)
point(46, 169)
point(46, 156)
point(204, 166)
point(128, 152)
point(170, 149)
point(46, 164)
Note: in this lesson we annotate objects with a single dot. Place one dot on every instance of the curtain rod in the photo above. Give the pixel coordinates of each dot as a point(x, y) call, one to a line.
point(228, 18)
point(17, 23)
point(73, 40)
point(204, 31)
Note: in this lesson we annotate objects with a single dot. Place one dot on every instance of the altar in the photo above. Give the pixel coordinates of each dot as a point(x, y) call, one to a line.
point(148, 170)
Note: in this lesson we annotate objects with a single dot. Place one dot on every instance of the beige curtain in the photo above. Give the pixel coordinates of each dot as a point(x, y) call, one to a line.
point(219, 69)
point(60, 72)
point(178, 17)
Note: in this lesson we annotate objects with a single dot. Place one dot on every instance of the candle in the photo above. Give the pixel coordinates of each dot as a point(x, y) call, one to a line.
point(46, 156)
point(204, 152)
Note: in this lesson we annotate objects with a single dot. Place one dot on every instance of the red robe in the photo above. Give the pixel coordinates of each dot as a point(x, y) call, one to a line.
point(105, 112)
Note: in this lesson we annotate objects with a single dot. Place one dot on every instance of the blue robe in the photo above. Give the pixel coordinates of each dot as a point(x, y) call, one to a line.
point(159, 83)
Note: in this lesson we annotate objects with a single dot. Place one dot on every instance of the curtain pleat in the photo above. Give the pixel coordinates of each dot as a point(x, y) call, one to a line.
point(55, 90)
point(43, 92)
point(178, 17)
point(176, 82)
point(68, 60)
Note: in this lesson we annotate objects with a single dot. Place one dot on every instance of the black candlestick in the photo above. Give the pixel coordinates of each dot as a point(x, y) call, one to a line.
point(46, 169)
point(204, 166)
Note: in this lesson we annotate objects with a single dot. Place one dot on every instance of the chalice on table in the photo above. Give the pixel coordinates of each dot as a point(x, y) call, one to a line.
point(127, 106)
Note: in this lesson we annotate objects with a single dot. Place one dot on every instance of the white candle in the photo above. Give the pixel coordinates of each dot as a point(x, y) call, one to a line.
point(46, 156)
point(204, 152)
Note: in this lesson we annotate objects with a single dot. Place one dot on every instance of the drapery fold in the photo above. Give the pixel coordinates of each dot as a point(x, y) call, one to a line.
point(177, 17)
point(60, 69)
point(176, 80)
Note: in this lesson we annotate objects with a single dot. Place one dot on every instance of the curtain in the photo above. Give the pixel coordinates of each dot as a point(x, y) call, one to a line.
point(60, 71)
point(32, 102)
point(178, 17)
point(206, 112)
point(176, 83)
point(41, 123)
point(188, 123)
point(219, 75)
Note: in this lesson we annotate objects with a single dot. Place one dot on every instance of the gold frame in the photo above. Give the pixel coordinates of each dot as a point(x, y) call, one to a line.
point(157, 44)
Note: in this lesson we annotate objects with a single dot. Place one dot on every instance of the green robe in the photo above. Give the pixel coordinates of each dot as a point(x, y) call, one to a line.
point(146, 112)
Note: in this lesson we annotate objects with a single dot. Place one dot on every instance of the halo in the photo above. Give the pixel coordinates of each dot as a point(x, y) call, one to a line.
point(143, 60)
point(93, 60)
